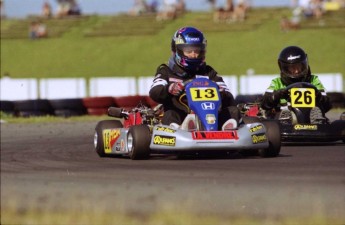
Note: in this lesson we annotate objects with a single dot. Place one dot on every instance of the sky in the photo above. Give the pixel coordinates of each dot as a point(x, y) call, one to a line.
point(23, 8)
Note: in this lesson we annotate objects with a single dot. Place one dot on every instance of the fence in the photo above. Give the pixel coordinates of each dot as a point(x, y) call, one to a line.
point(57, 88)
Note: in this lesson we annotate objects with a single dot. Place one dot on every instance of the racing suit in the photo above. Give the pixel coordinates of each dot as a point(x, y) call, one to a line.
point(273, 100)
point(167, 74)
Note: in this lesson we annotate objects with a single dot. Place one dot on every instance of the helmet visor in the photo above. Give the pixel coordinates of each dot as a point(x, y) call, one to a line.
point(196, 51)
point(295, 70)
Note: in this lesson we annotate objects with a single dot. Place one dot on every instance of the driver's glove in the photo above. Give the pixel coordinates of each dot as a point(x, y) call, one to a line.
point(176, 88)
point(282, 93)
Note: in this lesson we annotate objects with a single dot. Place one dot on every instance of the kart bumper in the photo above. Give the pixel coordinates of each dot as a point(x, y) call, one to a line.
point(311, 133)
point(165, 139)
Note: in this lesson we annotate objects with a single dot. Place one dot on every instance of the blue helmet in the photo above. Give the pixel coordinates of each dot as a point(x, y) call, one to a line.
point(189, 37)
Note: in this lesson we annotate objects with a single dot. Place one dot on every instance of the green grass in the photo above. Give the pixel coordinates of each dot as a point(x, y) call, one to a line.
point(233, 48)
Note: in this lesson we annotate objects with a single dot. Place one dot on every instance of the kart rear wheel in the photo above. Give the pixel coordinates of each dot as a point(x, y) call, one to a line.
point(138, 142)
point(98, 137)
point(273, 137)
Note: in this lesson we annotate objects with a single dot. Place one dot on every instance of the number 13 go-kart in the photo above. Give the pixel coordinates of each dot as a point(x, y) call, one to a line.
point(299, 127)
point(141, 132)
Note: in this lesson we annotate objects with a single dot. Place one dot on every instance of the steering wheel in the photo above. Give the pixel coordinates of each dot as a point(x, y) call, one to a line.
point(181, 101)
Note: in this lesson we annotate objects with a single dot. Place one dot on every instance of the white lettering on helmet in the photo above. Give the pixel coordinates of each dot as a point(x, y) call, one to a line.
point(293, 57)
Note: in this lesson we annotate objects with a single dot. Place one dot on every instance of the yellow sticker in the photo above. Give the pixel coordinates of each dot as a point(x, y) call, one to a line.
point(204, 94)
point(302, 97)
point(110, 136)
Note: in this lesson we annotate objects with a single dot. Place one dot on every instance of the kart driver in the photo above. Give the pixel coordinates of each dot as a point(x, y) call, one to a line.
point(188, 47)
point(293, 65)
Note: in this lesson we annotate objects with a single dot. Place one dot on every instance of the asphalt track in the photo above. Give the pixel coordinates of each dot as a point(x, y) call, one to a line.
point(54, 166)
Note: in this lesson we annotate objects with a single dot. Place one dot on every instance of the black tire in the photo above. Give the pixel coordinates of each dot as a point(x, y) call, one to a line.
point(6, 106)
point(138, 142)
point(68, 107)
point(274, 139)
point(38, 107)
point(98, 137)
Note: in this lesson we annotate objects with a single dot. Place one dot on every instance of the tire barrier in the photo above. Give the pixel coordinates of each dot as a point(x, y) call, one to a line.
point(129, 102)
point(7, 107)
point(99, 105)
point(68, 107)
point(38, 107)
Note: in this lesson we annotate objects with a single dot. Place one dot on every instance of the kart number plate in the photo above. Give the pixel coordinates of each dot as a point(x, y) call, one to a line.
point(204, 94)
point(302, 97)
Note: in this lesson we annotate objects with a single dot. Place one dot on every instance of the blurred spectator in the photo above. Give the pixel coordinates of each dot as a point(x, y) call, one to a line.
point(169, 10)
point(37, 29)
point(231, 12)
point(47, 10)
point(63, 8)
point(311, 8)
point(224, 14)
point(153, 6)
point(240, 10)
point(68, 8)
point(32, 30)
point(140, 7)
point(74, 8)
point(229, 6)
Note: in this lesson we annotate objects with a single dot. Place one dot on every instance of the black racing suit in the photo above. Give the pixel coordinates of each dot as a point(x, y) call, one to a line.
point(173, 113)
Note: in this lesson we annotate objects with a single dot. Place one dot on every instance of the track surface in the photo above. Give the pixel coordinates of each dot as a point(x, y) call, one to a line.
point(54, 166)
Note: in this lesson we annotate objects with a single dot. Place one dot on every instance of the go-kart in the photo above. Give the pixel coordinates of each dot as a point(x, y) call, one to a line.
point(300, 102)
point(138, 133)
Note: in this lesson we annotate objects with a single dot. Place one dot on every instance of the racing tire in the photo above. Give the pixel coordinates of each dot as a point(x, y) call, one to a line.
point(274, 138)
point(138, 142)
point(98, 137)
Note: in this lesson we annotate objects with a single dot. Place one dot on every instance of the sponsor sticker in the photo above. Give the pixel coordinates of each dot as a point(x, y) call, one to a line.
point(164, 140)
point(259, 138)
point(165, 129)
point(208, 106)
point(210, 135)
point(255, 128)
point(110, 136)
point(210, 118)
point(305, 127)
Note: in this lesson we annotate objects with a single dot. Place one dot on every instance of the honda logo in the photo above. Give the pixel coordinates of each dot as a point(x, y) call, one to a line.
point(208, 106)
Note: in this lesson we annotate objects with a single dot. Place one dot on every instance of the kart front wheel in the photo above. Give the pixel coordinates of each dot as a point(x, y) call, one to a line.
point(274, 138)
point(98, 137)
point(138, 142)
